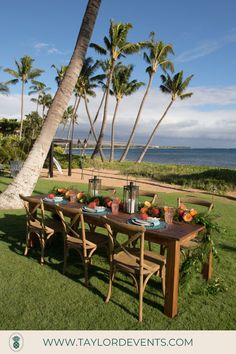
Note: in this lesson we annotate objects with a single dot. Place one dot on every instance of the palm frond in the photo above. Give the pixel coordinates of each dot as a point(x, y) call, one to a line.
point(185, 95)
point(99, 49)
point(12, 72)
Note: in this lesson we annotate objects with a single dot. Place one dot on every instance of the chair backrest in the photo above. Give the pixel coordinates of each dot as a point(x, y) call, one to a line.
point(134, 233)
point(150, 195)
point(196, 201)
point(71, 227)
point(32, 205)
point(93, 221)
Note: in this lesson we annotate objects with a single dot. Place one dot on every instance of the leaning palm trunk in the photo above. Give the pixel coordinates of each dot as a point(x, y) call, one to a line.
point(123, 156)
point(92, 127)
point(29, 174)
point(22, 109)
point(153, 133)
point(113, 131)
point(104, 121)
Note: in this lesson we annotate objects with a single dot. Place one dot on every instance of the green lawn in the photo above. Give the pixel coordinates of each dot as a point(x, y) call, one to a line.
point(41, 298)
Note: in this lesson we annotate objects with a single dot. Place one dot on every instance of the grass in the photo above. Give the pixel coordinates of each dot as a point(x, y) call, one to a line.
point(41, 298)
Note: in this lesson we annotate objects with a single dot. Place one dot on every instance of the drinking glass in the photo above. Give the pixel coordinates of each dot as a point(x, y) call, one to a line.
point(115, 207)
point(169, 214)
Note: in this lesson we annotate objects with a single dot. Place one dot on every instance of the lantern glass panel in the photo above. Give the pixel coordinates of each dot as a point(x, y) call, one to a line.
point(130, 198)
point(94, 186)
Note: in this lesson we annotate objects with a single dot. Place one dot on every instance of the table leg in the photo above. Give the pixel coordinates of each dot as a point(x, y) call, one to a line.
point(172, 279)
point(207, 267)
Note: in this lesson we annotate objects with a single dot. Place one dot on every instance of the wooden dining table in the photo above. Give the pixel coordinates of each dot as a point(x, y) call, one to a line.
point(172, 237)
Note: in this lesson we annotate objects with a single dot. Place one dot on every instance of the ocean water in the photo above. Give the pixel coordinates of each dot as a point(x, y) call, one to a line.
point(225, 158)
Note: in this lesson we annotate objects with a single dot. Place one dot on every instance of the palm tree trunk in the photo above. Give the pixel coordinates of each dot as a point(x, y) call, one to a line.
point(96, 117)
point(29, 174)
point(74, 118)
point(104, 121)
point(92, 127)
point(113, 131)
point(22, 108)
point(153, 133)
point(123, 156)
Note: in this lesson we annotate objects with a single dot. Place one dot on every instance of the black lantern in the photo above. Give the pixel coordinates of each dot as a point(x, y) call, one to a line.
point(94, 186)
point(130, 198)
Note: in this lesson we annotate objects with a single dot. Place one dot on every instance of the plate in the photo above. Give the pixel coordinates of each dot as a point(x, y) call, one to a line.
point(98, 209)
point(157, 225)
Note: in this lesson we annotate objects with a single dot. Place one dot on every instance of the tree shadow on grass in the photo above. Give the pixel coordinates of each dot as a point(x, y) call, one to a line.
point(226, 247)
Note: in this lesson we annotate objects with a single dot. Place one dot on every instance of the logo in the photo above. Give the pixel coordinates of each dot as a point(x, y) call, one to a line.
point(16, 342)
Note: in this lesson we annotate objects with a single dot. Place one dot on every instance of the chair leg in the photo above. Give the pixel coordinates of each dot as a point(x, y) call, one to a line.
point(140, 297)
point(86, 265)
point(27, 243)
point(162, 250)
point(111, 278)
point(42, 244)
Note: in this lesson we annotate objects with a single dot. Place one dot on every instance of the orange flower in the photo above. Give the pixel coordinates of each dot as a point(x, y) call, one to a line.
point(193, 212)
point(182, 206)
point(187, 217)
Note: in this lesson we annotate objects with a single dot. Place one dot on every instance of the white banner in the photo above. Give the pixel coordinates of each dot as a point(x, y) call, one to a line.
point(50, 342)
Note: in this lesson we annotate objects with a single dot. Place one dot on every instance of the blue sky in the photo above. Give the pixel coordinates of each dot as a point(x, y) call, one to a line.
point(203, 34)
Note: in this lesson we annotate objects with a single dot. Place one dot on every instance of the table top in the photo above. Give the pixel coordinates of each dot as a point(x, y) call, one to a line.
point(175, 231)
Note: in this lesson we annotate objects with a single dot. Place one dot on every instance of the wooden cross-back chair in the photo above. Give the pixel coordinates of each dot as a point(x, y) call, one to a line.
point(37, 224)
point(187, 202)
point(78, 238)
point(137, 262)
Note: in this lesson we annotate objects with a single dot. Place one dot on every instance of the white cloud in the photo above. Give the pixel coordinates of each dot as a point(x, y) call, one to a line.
point(206, 47)
point(50, 48)
point(187, 120)
point(41, 45)
point(54, 50)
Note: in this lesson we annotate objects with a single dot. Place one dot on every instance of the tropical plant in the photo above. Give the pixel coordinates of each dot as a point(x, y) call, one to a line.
point(9, 126)
point(175, 87)
point(85, 87)
point(3, 88)
point(37, 88)
point(121, 86)
point(155, 57)
point(60, 73)
point(27, 178)
point(45, 100)
point(116, 46)
point(24, 73)
point(32, 126)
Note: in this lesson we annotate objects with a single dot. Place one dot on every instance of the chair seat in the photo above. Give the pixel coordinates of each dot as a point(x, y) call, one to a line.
point(97, 239)
point(152, 260)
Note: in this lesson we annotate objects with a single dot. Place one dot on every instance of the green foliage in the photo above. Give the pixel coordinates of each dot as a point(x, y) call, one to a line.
point(9, 126)
point(10, 149)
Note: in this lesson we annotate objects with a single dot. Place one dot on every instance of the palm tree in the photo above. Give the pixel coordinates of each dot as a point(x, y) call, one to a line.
point(24, 73)
point(45, 100)
point(121, 86)
point(37, 87)
point(116, 46)
point(29, 174)
point(156, 56)
point(3, 88)
point(85, 86)
point(176, 88)
point(60, 73)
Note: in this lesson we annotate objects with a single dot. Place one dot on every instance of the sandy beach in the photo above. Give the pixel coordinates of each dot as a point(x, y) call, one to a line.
point(115, 179)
